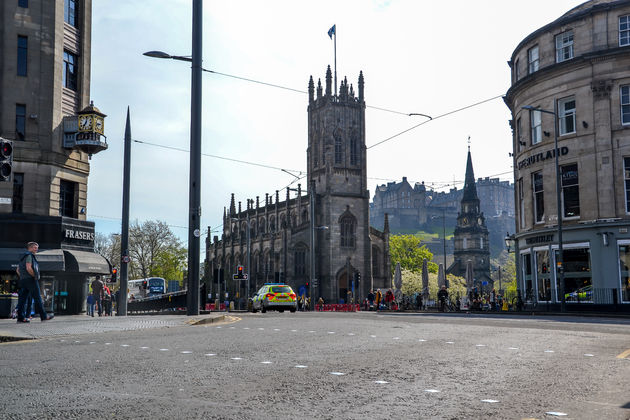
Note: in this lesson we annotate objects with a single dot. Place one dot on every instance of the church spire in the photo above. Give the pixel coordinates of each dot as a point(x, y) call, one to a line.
point(470, 189)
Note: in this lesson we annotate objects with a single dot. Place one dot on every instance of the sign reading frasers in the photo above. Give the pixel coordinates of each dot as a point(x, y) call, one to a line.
point(539, 157)
point(79, 234)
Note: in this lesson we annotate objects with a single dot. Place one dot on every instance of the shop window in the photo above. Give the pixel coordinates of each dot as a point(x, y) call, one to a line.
point(578, 286)
point(527, 277)
point(533, 59)
point(535, 118)
point(626, 175)
point(566, 115)
point(624, 271)
point(18, 192)
point(564, 46)
point(570, 190)
point(67, 198)
point(543, 276)
point(539, 199)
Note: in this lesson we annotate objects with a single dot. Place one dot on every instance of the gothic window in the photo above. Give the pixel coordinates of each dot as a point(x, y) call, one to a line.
point(283, 221)
point(338, 147)
point(300, 261)
point(376, 258)
point(348, 228)
point(354, 148)
point(305, 216)
point(272, 224)
point(243, 230)
point(261, 226)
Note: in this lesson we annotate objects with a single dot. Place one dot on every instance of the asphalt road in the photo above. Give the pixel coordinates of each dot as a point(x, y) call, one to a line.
point(327, 365)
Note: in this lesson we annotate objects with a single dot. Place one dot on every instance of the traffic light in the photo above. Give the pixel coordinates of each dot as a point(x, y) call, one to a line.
point(144, 284)
point(239, 272)
point(114, 275)
point(357, 277)
point(6, 159)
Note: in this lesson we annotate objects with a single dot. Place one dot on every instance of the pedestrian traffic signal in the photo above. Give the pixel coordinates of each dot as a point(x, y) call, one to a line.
point(6, 159)
point(239, 272)
point(114, 275)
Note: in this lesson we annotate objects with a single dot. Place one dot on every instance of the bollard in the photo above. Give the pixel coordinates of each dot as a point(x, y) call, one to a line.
point(231, 305)
point(217, 305)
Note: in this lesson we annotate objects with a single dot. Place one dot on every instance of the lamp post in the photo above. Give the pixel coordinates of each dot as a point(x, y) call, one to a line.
point(194, 199)
point(560, 260)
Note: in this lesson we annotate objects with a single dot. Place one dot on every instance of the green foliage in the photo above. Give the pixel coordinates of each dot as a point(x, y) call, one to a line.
point(507, 263)
point(170, 264)
point(406, 250)
point(412, 283)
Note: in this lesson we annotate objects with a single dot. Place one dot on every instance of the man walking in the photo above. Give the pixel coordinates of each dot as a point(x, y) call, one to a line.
point(28, 272)
point(97, 289)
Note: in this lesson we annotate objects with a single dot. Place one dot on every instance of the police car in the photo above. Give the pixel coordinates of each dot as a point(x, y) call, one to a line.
point(274, 296)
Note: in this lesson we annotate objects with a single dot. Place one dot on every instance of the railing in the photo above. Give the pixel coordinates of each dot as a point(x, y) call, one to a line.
point(167, 301)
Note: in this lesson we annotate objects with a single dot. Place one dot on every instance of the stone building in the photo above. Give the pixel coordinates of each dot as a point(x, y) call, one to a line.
point(572, 75)
point(405, 205)
point(471, 236)
point(334, 212)
point(45, 47)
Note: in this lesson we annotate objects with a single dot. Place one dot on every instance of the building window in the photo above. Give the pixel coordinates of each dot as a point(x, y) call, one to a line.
point(517, 73)
point(570, 190)
point(519, 130)
point(626, 167)
point(533, 59)
point(18, 192)
point(464, 243)
point(564, 46)
point(20, 122)
point(347, 232)
point(22, 3)
point(539, 199)
point(543, 276)
point(354, 155)
point(69, 70)
point(624, 30)
point(527, 277)
point(22, 54)
point(625, 104)
point(521, 203)
point(70, 12)
point(67, 192)
point(566, 115)
point(578, 286)
point(535, 118)
point(338, 148)
point(300, 262)
point(624, 270)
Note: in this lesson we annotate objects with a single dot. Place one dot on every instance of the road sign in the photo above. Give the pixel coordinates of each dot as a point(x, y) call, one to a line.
point(484, 283)
point(125, 258)
point(238, 277)
point(5, 200)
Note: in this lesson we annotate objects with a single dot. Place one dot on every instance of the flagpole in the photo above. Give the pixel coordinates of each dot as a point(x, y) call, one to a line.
point(335, 60)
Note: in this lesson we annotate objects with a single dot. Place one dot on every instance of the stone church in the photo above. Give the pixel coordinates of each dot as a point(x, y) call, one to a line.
point(320, 240)
point(471, 235)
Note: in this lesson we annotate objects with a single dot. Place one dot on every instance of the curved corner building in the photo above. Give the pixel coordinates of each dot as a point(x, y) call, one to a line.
point(574, 74)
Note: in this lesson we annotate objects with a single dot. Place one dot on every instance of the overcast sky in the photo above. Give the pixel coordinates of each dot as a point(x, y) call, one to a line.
point(417, 56)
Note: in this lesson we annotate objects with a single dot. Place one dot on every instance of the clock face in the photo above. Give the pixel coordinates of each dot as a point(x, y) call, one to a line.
point(98, 125)
point(85, 122)
point(465, 221)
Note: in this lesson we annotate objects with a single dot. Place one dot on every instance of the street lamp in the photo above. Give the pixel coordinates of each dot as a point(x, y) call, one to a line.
point(560, 261)
point(194, 197)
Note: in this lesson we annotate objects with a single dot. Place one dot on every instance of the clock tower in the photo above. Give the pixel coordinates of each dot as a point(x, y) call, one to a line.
point(471, 235)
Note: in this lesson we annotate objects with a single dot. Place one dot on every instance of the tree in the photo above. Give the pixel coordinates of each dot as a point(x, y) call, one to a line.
point(108, 247)
point(407, 250)
point(412, 283)
point(154, 249)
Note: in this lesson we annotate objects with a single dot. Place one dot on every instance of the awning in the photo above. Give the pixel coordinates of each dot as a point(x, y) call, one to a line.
point(49, 260)
point(86, 262)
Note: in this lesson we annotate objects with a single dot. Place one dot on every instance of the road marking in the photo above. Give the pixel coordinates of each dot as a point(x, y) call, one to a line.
point(450, 342)
point(144, 347)
point(92, 342)
point(337, 373)
point(311, 331)
point(77, 341)
point(246, 328)
point(63, 341)
point(163, 349)
point(219, 327)
point(301, 366)
point(236, 358)
point(210, 354)
point(293, 330)
point(589, 355)
point(373, 336)
point(276, 329)
point(480, 345)
point(433, 391)
point(381, 382)
point(512, 348)
point(556, 413)
point(549, 351)
point(422, 340)
point(396, 338)
point(261, 329)
point(266, 362)
point(124, 345)
point(186, 352)
point(490, 401)
point(107, 344)
point(350, 333)
point(624, 355)
point(232, 328)
point(331, 332)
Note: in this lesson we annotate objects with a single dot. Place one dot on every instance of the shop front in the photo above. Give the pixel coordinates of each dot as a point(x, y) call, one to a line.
point(66, 259)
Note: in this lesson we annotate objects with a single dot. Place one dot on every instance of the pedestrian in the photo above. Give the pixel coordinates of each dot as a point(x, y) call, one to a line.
point(97, 289)
point(90, 305)
point(419, 301)
point(442, 297)
point(493, 300)
point(370, 298)
point(107, 301)
point(28, 272)
point(379, 297)
point(320, 302)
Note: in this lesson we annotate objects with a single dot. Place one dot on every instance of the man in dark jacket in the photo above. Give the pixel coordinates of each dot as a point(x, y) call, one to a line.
point(442, 296)
point(28, 271)
point(97, 289)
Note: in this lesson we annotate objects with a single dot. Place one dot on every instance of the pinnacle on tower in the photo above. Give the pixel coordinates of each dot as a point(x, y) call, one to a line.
point(328, 82)
point(232, 206)
point(470, 189)
point(361, 83)
point(319, 88)
point(311, 90)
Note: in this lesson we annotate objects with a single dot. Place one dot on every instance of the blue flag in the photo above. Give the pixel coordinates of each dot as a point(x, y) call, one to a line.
point(331, 31)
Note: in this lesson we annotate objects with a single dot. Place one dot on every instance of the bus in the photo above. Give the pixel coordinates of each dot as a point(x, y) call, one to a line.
point(150, 286)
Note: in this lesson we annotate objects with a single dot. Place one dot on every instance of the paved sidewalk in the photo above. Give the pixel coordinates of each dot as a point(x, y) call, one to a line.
point(82, 324)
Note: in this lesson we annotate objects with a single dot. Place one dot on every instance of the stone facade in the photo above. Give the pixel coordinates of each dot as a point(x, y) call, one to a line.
point(335, 211)
point(576, 70)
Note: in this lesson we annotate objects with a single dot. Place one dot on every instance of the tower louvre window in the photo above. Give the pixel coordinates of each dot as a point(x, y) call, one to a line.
point(338, 148)
point(348, 227)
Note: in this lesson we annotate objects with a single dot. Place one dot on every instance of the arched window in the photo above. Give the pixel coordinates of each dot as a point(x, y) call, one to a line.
point(272, 224)
point(261, 226)
point(283, 221)
point(299, 259)
point(305, 216)
point(338, 147)
point(376, 258)
point(348, 227)
point(354, 147)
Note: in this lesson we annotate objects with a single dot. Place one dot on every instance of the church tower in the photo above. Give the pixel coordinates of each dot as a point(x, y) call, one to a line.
point(471, 234)
point(337, 172)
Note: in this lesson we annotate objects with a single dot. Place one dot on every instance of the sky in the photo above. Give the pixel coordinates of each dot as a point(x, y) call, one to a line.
point(416, 56)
